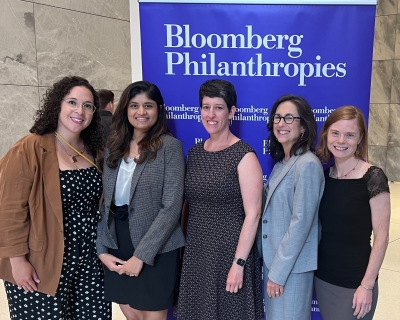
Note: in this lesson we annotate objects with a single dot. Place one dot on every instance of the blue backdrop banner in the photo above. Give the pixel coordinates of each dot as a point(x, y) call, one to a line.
point(321, 52)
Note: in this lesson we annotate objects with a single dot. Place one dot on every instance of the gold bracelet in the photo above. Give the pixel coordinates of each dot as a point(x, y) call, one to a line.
point(366, 288)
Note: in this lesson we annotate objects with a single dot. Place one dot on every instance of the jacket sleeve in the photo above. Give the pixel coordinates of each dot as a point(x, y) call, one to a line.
point(307, 193)
point(101, 230)
point(171, 204)
point(102, 227)
point(16, 179)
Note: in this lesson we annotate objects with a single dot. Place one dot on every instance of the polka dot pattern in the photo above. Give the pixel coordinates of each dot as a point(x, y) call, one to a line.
point(216, 216)
point(80, 292)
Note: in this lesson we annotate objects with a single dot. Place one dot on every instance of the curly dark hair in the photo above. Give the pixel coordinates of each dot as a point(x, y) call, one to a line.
point(121, 131)
point(46, 118)
point(308, 140)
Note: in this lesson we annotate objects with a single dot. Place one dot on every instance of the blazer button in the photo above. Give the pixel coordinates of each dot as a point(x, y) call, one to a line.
point(265, 221)
point(265, 236)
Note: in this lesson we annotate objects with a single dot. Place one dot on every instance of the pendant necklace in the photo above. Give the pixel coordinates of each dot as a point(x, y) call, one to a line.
point(72, 156)
point(345, 175)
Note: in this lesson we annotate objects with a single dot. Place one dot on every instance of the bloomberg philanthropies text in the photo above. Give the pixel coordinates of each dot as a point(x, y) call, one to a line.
point(202, 60)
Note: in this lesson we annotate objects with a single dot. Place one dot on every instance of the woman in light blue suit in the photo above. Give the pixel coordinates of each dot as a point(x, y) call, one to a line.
point(289, 225)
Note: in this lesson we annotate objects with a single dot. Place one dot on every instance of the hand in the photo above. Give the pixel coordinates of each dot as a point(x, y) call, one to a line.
point(362, 301)
point(111, 262)
point(234, 282)
point(132, 267)
point(274, 290)
point(24, 274)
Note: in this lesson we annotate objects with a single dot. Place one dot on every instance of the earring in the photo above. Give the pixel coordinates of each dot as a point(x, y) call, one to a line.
point(301, 137)
point(230, 122)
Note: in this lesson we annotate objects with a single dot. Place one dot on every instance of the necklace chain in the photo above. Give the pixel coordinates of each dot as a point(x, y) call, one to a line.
point(72, 156)
point(345, 175)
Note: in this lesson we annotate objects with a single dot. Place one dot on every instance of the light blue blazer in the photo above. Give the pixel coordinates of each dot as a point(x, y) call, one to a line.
point(288, 232)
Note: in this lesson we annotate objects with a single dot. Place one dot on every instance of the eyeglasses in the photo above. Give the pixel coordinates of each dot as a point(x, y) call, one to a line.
point(276, 118)
point(86, 107)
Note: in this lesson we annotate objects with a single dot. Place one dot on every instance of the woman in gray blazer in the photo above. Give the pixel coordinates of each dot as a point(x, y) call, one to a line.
point(289, 225)
point(139, 233)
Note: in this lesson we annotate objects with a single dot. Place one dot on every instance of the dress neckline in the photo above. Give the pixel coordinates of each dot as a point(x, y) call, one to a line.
point(203, 143)
point(79, 169)
point(353, 179)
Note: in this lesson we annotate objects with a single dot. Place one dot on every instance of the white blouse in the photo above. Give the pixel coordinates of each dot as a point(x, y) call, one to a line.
point(123, 184)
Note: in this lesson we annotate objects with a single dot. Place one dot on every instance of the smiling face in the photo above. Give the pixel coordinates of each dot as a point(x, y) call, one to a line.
point(287, 134)
point(215, 115)
point(71, 120)
point(142, 113)
point(343, 138)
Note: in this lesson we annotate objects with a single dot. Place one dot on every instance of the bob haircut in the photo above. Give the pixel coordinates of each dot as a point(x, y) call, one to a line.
point(307, 121)
point(344, 113)
point(121, 131)
point(218, 88)
point(46, 118)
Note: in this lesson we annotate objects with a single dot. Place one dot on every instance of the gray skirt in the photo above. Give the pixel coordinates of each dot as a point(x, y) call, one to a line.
point(295, 302)
point(336, 302)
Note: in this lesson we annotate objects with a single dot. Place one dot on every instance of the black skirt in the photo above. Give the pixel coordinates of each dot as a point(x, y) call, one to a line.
point(156, 286)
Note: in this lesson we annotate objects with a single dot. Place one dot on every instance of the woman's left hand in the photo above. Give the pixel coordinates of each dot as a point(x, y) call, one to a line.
point(234, 282)
point(274, 290)
point(362, 302)
point(132, 267)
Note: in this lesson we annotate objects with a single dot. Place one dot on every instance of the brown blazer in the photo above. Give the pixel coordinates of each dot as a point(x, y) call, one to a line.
point(31, 218)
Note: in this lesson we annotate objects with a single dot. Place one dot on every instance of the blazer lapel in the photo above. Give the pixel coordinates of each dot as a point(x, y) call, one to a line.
point(110, 181)
point(135, 178)
point(51, 176)
point(272, 187)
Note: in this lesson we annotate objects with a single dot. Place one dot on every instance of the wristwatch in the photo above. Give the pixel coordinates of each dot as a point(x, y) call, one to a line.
point(241, 262)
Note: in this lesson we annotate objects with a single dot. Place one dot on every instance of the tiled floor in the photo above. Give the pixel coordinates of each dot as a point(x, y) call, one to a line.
point(389, 276)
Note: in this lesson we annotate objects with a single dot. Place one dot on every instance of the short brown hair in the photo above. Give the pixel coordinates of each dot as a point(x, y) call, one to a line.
point(344, 113)
point(105, 97)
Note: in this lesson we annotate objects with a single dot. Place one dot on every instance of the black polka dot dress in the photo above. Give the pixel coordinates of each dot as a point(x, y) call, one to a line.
point(80, 292)
point(216, 217)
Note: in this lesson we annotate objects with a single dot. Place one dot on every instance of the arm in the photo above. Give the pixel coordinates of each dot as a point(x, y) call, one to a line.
point(111, 262)
point(251, 187)
point(380, 214)
point(167, 219)
point(15, 187)
point(309, 181)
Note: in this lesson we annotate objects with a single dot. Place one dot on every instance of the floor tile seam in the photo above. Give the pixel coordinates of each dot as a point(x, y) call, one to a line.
point(387, 269)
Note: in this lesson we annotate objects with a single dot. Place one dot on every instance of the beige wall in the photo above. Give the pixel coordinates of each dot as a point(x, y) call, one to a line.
point(384, 124)
point(43, 40)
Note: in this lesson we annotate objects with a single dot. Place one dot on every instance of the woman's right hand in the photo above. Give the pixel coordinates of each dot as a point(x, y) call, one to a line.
point(111, 262)
point(24, 274)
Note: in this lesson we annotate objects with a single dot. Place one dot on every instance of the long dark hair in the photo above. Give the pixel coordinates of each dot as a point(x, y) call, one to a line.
point(121, 131)
point(304, 143)
point(46, 117)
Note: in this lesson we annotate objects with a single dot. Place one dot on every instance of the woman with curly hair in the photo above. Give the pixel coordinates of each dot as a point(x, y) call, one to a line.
point(50, 189)
point(139, 234)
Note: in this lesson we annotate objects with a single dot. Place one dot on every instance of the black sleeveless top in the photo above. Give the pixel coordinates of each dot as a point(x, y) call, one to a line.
point(345, 216)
